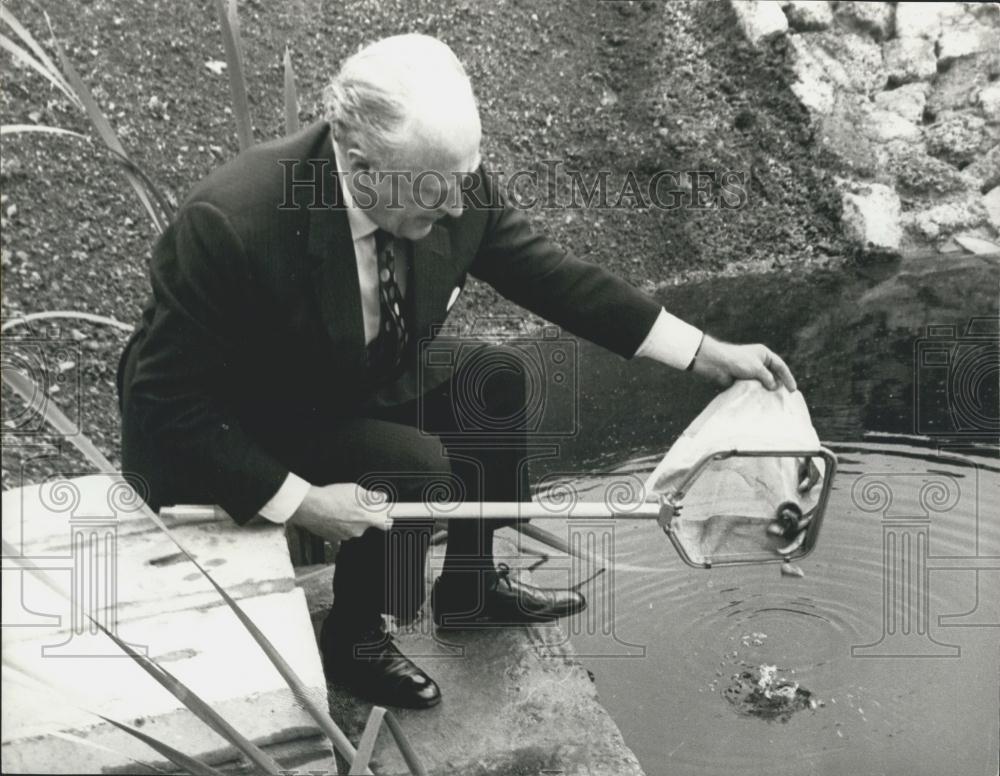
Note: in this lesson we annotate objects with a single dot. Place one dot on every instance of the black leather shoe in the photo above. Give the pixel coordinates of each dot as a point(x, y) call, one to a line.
point(370, 665)
point(505, 601)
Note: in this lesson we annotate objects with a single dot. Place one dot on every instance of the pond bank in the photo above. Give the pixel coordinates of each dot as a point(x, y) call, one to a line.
point(516, 702)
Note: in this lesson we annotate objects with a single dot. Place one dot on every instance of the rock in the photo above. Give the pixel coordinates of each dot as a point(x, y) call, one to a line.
point(907, 101)
point(808, 16)
point(984, 172)
point(873, 19)
point(924, 20)
point(760, 21)
point(956, 138)
point(885, 125)
point(973, 243)
point(989, 101)
point(991, 204)
point(871, 218)
point(850, 62)
point(909, 59)
point(917, 173)
point(838, 133)
point(964, 41)
point(815, 94)
point(942, 220)
point(958, 86)
point(814, 86)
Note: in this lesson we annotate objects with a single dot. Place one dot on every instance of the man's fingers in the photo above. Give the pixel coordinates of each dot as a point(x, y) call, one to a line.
point(766, 379)
point(780, 369)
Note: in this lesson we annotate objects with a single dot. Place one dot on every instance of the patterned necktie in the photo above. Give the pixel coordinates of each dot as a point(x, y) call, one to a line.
point(385, 352)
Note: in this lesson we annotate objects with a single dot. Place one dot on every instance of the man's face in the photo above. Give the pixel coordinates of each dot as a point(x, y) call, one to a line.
point(422, 186)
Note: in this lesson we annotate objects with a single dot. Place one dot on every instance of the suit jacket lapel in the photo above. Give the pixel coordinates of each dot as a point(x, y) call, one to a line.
point(335, 277)
point(432, 276)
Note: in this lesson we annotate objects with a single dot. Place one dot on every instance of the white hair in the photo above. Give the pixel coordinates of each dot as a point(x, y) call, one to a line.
point(387, 87)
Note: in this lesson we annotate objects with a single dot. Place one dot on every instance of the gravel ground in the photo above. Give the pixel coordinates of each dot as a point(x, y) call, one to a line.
point(619, 86)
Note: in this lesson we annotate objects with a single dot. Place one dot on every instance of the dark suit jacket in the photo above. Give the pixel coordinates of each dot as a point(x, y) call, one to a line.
point(253, 340)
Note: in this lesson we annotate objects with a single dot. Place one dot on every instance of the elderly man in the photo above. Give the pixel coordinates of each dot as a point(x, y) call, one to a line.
point(275, 369)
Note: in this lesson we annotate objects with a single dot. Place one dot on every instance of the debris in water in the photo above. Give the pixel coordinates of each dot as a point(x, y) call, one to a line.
point(761, 692)
point(791, 570)
point(753, 639)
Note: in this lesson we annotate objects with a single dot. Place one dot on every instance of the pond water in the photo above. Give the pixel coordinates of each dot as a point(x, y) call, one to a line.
point(894, 628)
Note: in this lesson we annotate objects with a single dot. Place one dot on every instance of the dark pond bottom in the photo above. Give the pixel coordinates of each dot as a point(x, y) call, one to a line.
point(884, 657)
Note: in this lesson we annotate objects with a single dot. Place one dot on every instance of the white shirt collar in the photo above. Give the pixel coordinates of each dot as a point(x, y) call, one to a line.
point(361, 225)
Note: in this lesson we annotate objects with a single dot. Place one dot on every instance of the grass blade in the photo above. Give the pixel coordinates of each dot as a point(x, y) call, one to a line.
point(106, 133)
point(366, 746)
point(405, 748)
point(80, 741)
point(21, 54)
point(12, 129)
point(34, 683)
point(151, 187)
point(71, 315)
point(196, 705)
point(230, 23)
point(27, 389)
point(291, 97)
point(189, 764)
point(322, 717)
point(8, 18)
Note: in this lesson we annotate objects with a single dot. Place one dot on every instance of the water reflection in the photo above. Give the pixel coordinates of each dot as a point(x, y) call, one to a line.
point(894, 627)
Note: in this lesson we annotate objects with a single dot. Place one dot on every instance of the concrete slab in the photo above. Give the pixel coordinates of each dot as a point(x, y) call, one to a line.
point(110, 557)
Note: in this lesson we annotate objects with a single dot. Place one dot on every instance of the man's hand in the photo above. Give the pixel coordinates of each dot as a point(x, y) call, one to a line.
point(724, 363)
point(341, 511)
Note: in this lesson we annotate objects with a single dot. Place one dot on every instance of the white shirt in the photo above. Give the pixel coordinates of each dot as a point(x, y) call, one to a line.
point(670, 341)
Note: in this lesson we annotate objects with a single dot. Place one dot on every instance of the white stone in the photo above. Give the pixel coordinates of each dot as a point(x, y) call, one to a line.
point(989, 101)
point(815, 84)
point(924, 20)
point(851, 62)
point(888, 125)
point(814, 93)
point(944, 219)
point(907, 101)
point(991, 202)
point(964, 41)
point(871, 218)
point(909, 59)
point(984, 171)
point(956, 137)
point(808, 15)
point(760, 20)
point(869, 17)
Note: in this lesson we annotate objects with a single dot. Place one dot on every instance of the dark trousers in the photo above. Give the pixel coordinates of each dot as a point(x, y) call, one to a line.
point(463, 441)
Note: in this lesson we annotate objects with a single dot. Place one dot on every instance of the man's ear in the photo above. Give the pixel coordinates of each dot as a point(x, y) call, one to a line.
point(358, 161)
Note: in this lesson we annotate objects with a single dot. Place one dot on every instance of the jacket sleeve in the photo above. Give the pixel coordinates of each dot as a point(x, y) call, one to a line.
point(530, 270)
point(188, 365)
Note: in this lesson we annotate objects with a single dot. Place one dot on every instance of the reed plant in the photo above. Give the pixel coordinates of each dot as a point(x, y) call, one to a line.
point(64, 77)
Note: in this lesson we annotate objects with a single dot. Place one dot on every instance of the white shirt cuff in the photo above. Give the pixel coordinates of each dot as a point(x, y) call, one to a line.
point(671, 341)
point(288, 498)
